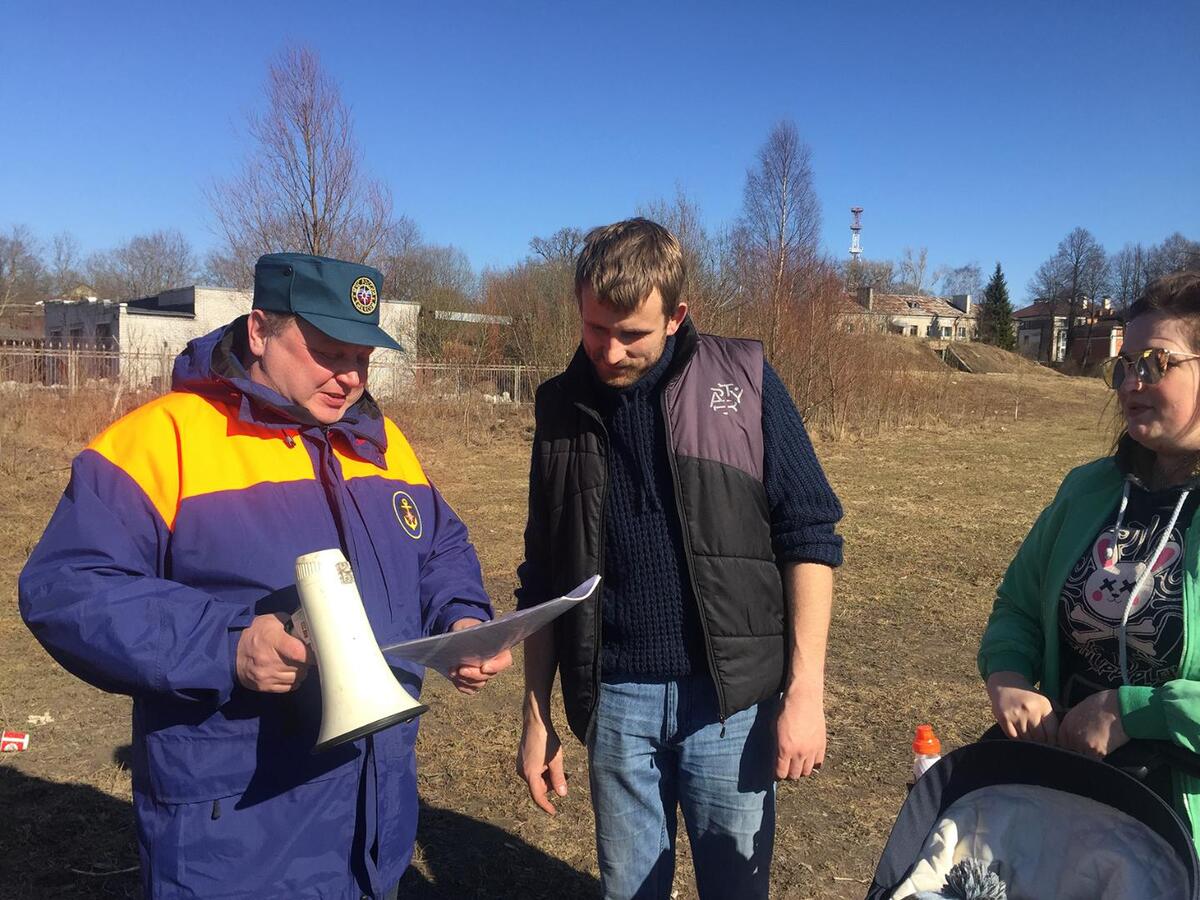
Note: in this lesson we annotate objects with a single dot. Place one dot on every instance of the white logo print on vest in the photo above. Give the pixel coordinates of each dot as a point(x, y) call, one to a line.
point(725, 398)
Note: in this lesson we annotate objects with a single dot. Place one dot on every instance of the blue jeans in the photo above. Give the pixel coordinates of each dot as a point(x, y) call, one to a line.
point(660, 744)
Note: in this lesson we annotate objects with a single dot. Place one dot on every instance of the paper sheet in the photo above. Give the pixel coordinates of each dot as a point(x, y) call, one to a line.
point(471, 646)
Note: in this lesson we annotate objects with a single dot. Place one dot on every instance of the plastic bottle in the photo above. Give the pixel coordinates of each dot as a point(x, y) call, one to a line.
point(927, 750)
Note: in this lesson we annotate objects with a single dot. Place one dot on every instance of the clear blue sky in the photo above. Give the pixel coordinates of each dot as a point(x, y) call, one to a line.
point(981, 132)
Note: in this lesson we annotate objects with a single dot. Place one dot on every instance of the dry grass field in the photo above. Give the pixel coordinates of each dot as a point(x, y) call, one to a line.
point(932, 517)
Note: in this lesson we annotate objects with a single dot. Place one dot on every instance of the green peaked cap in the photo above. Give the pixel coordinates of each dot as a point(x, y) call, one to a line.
point(339, 298)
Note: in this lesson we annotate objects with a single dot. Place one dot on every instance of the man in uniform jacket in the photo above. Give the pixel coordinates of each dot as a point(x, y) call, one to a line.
point(676, 465)
point(167, 573)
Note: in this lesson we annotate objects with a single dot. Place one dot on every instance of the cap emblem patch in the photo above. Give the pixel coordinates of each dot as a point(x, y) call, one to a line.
point(364, 296)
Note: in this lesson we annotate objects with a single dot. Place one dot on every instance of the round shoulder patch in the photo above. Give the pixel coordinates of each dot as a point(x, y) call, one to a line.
point(407, 514)
point(364, 295)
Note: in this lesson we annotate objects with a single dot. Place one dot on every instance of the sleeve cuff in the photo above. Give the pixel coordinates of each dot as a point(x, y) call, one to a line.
point(1141, 717)
point(1005, 661)
point(460, 609)
point(237, 625)
point(826, 554)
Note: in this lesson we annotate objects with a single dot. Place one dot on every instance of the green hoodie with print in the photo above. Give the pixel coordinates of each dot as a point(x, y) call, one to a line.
point(1022, 631)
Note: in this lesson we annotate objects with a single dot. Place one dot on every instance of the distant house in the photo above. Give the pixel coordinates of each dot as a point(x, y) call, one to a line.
point(1095, 341)
point(940, 318)
point(148, 333)
point(1042, 332)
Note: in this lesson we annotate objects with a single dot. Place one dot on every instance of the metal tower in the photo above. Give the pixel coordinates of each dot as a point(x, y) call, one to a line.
point(855, 228)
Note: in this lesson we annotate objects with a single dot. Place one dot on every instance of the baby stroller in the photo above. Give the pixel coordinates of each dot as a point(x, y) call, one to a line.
point(1019, 820)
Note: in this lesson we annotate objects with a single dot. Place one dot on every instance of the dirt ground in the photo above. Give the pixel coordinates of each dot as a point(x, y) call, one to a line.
point(932, 518)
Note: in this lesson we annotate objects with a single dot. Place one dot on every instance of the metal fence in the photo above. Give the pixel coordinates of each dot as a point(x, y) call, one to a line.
point(76, 367)
point(497, 384)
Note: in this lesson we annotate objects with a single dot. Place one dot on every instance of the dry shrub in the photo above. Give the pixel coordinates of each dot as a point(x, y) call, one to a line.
point(467, 419)
point(539, 298)
point(44, 427)
point(850, 383)
point(38, 422)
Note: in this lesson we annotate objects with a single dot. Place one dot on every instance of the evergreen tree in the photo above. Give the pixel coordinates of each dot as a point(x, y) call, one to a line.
point(995, 314)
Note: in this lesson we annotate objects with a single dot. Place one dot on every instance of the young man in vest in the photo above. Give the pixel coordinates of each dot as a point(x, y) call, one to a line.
point(168, 571)
point(676, 465)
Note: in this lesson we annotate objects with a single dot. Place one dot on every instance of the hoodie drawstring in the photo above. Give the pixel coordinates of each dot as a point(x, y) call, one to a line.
point(1147, 572)
point(1111, 555)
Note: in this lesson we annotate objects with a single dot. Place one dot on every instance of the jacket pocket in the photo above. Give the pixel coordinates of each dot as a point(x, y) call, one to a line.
point(258, 746)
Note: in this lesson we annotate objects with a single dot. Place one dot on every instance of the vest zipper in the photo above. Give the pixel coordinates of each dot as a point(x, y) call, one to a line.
point(687, 555)
point(599, 641)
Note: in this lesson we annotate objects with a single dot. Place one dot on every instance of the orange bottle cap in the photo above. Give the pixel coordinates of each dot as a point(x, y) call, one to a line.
point(926, 741)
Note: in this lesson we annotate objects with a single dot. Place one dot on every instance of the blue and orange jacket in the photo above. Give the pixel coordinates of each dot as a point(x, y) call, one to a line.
point(181, 522)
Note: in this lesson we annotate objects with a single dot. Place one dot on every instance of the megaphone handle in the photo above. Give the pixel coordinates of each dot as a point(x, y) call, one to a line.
point(297, 626)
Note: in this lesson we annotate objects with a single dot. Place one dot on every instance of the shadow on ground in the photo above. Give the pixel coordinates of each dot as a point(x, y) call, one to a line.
point(466, 858)
point(70, 840)
point(64, 840)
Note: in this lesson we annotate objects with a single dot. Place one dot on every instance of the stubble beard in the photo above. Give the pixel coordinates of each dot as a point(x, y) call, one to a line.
point(630, 374)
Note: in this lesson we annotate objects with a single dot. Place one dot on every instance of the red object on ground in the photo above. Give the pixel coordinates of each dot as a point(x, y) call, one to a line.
point(926, 742)
point(11, 741)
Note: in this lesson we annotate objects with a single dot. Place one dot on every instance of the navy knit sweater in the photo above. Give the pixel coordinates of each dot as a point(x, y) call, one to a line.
point(651, 626)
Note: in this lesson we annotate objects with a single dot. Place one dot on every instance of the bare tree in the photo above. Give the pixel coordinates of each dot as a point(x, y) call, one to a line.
point(966, 279)
point(781, 220)
point(539, 298)
point(20, 269)
point(1076, 274)
point(682, 217)
point(1174, 254)
point(713, 291)
point(877, 274)
point(398, 259)
point(1130, 275)
point(561, 247)
point(430, 274)
point(64, 268)
point(538, 294)
point(146, 264)
point(913, 267)
point(303, 186)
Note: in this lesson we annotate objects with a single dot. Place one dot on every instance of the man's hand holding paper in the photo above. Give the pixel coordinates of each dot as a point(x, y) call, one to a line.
point(470, 678)
point(472, 652)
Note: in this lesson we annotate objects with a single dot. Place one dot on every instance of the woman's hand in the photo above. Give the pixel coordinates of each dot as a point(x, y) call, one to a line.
point(1094, 727)
point(1020, 711)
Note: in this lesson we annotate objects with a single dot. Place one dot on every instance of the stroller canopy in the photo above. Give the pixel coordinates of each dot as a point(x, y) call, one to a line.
point(1049, 822)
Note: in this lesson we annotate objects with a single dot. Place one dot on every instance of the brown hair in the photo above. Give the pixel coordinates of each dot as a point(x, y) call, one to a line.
point(274, 323)
point(1178, 295)
point(624, 262)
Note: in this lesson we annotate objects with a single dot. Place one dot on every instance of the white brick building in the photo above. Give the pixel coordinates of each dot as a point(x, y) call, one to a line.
point(147, 334)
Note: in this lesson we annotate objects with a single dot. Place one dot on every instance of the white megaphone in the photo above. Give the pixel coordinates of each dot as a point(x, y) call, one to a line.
point(359, 693)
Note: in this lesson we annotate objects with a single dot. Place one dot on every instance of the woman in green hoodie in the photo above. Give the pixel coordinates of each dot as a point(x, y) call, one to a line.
point(1091, 639)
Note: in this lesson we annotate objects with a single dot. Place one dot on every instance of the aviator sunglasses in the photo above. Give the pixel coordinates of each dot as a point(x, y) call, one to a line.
point(1149, 366)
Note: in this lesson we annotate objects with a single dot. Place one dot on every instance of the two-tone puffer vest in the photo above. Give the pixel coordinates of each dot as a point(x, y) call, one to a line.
point(712, 407)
